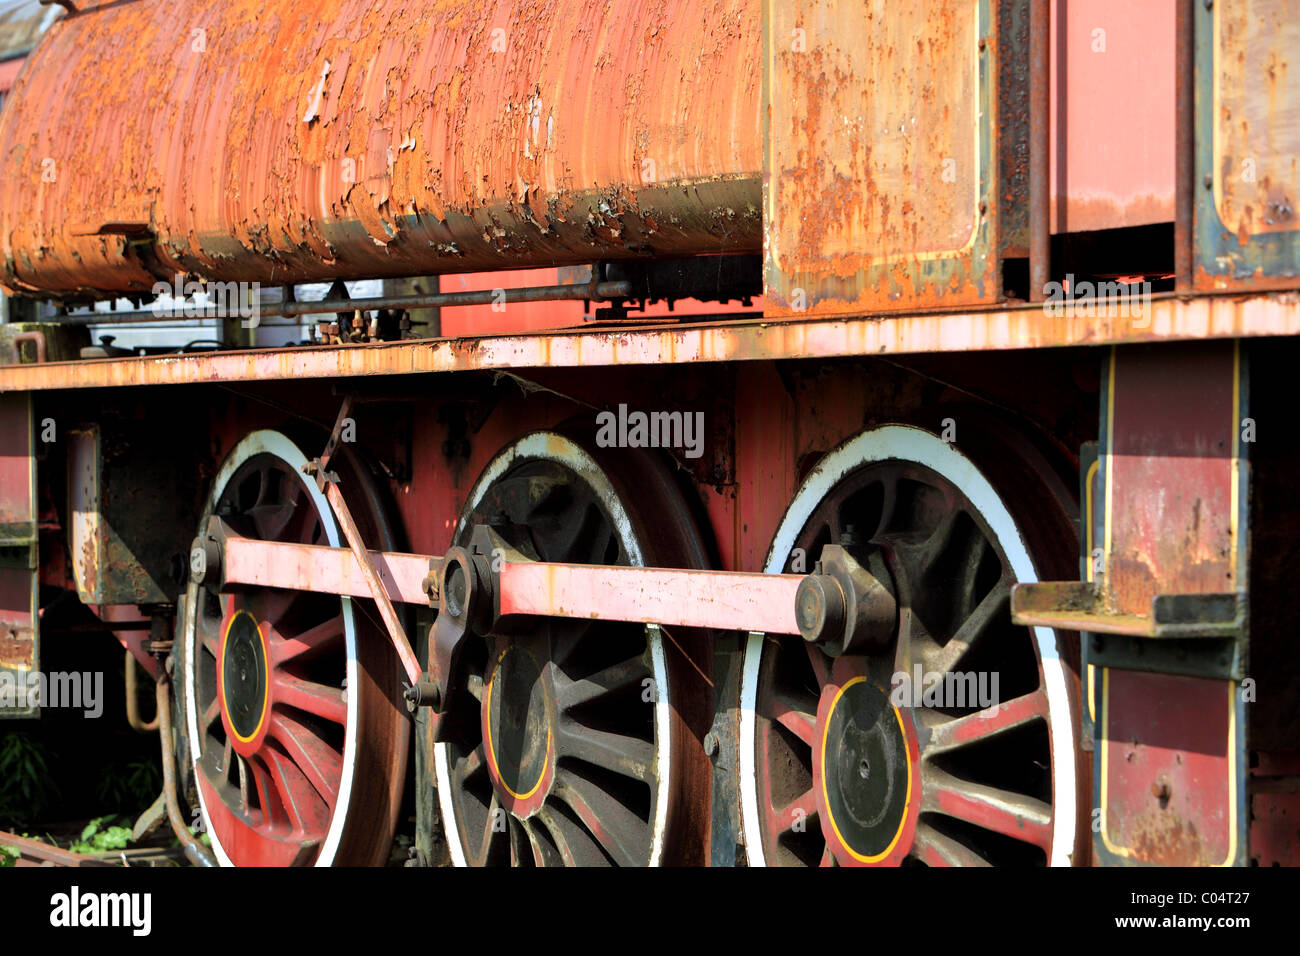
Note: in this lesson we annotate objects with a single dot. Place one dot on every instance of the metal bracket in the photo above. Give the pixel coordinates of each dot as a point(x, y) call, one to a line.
point(1199, 635)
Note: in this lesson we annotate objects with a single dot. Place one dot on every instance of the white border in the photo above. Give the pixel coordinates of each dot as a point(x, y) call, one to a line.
point(549, 446)
point(906, 443)
point(276, 444)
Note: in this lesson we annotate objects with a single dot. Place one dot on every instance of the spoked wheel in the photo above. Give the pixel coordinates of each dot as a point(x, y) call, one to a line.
point(579, 742)
point(298, 749)
point(971, 758)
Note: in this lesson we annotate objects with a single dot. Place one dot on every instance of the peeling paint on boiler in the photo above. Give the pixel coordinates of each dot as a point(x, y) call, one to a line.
point(296, 140)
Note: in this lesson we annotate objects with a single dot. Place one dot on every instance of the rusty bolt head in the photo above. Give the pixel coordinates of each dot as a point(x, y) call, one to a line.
point(711, 743)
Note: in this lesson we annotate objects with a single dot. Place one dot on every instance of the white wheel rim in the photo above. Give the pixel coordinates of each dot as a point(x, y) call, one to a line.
point(549, 446)
point(909, 444)
point(279, 446)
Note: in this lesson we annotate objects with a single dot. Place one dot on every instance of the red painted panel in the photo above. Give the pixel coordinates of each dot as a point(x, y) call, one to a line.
point(1172, 516)
point(15, 464)
point(1170, 784)
point(1112, 114)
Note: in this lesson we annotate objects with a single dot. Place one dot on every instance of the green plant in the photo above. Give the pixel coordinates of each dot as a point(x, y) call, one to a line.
point(96, 840)
point(128, 787)
point(26, 789)
point(8, 856)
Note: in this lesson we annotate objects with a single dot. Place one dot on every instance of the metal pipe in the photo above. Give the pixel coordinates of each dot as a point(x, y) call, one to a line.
point(195, 851)
point(132, 704)
point(1040, 145)
point(1184, 143)
point(547, 293)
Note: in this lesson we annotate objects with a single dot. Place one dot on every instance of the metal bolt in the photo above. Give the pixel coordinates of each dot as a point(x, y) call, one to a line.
point(864, 769)
point(1209, 181)
point(711, 743)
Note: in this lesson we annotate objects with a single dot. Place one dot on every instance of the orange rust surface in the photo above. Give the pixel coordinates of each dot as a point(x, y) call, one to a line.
point(1257, 128)
point(294, 140)
point(16, 652)
point(873, 155)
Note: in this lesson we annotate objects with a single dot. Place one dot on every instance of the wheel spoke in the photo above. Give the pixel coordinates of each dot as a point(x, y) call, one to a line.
point(305, 813)
point(264, 790)
point(936, 849)
point(517, 839)
point(328, 703)
point(948, 735)
point(948, 658)
point(314, 639)
point(490, 830)
point(939, 540)
point(320, 763)
point(799, 812)
point(472, 764)
point(576, 846)
point(243, 782)
point(571, 693)
point(621, 832)
point(1001, 811)
point(795, 716)
point(628, 756)
point(210, 715)
point(543, 853)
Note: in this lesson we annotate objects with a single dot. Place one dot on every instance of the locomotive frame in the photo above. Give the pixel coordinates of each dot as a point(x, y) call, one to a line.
point(420, 549)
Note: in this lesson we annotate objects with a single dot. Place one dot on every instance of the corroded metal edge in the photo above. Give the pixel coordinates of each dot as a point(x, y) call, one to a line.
point(1164, 319)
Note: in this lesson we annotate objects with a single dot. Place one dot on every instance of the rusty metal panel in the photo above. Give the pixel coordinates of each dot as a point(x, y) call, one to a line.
point(1170, 765)
point(299, 140)
point(1112, 114)
point(1248, 144)
point(19, 591)
point(115, 473)
point(878, 145)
